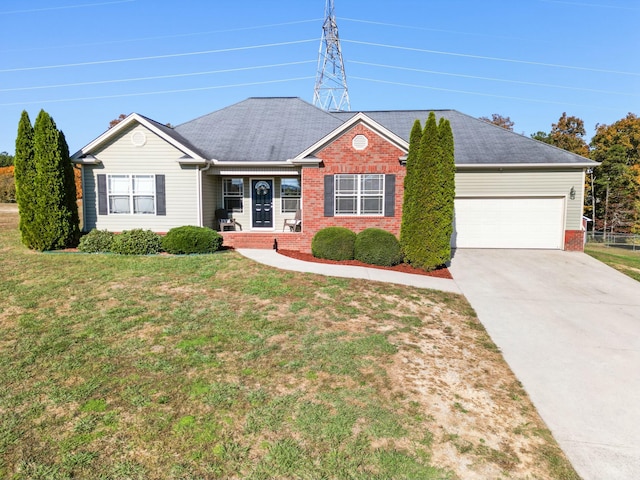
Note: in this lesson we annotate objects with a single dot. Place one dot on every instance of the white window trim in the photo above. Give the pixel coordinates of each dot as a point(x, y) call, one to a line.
point(225, 195)
point(359, 195)
point(131, 194)
point(282, 197)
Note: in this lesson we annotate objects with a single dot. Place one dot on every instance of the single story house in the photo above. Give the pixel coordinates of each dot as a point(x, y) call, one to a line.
point(264, 160)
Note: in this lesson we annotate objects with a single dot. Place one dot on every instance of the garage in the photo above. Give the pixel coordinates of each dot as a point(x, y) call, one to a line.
point(509, 222)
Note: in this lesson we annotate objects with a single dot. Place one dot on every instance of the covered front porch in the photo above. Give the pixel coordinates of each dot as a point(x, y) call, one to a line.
point(254, 207)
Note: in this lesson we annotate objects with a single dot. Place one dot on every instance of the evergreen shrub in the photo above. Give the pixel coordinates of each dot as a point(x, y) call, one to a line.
point(333, 243)
point(137, 242)
point(377, 247)
point(96, 241)
point(189, 239)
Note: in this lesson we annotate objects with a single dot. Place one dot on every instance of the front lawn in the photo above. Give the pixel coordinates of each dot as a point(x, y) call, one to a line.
point(214, 366)
point(624, 260)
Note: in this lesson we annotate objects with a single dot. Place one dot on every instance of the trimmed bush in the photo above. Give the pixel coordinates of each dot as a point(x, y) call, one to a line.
point(377, 247)
point(96, 241)
point(333, 243)
point(190, 239)
point(136, 242)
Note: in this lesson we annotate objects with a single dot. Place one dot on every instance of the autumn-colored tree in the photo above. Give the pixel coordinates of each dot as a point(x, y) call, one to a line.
point(617, 186)
point(7, 185)
point(568, 134)
point(499, 120)
point(116, 121)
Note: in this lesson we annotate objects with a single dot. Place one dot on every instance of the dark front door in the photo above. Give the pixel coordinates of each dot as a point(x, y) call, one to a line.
point(262, 194)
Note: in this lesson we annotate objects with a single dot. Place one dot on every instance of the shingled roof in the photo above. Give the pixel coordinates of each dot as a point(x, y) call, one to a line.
point(278, 129)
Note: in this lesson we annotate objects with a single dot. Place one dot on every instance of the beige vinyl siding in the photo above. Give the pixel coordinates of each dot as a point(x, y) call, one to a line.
point(210, 193)
point(526, 183)
point(155, 157)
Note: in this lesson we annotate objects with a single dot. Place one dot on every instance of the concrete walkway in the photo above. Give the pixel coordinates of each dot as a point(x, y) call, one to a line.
point(569, 327)
point(274, 259)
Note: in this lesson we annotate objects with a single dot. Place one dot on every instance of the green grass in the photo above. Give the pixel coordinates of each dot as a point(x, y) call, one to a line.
point(623, 260)
point(206, 367)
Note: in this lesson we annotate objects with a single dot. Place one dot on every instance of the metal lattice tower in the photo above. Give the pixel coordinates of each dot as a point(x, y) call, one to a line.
point(331, 92)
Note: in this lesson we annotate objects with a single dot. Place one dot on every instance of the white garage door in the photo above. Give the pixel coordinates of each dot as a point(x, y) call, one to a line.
point(509, 223)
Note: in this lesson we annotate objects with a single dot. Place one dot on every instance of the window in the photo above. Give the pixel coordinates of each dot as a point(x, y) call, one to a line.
point(232, 194)
point(290, 195)
point(361, 194)
point(131, 194)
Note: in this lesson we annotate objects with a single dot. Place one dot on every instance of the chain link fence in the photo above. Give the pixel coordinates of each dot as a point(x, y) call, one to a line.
point(619, 240)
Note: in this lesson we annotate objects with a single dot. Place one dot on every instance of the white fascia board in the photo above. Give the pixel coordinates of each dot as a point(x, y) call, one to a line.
point(509, 166)
point(250, 164)
point(358, 118)
point(134, 117)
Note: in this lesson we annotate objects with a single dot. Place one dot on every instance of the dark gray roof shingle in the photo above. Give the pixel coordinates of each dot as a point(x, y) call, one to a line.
point(259, 130)
point(277, 129)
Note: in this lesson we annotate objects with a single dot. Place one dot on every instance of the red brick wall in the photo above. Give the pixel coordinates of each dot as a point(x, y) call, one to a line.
point(574, 240)
point(379, 156)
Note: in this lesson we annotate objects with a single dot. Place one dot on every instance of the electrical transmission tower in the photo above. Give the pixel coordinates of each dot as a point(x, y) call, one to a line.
point(331, 92)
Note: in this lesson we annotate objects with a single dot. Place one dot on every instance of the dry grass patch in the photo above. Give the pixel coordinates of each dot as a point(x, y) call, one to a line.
point(216, 367)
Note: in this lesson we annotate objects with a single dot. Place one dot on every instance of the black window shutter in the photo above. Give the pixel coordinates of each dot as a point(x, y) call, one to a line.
point(102, 194)
point(161, 204)
point(389, 195)
point(328, 195)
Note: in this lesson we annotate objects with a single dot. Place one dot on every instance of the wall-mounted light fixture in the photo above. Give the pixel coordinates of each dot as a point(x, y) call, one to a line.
point(572, 193)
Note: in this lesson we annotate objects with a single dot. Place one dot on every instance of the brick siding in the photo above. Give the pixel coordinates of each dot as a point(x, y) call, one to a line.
point(574, 240)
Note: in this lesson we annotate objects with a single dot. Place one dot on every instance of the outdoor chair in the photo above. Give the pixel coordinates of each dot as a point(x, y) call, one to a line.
point(295, 223)
point(224, 221)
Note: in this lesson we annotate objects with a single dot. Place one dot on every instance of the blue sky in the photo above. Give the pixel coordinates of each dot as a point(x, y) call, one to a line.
point(87, 61)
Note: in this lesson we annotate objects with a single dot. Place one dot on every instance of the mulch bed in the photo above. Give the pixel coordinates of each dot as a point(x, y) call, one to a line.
point(442, 272)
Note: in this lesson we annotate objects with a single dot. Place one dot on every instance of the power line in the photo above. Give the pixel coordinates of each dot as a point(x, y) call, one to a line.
point(493, 79)
point(597, 5)
point(164, 37)
point(495, 59)
point(157, 77)
point(46, 9)
point(466, 92)
point(162, 92)
point(155, 57)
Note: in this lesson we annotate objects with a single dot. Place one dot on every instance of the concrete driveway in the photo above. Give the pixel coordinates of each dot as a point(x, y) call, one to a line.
point(569, 327)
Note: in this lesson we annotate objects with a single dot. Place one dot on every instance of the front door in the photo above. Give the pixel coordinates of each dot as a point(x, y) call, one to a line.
point(262, 201)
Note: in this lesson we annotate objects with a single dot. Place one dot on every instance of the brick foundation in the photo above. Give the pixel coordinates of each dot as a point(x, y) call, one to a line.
point(574, 240)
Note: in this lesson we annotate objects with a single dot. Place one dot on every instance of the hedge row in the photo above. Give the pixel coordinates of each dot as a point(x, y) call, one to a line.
point(179, 240)
point(372, 245)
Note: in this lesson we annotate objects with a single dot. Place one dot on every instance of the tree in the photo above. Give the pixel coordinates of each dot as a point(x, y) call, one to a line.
point(617, 188)
point(25, 173)
point(55, 216)
point(499, 120)
point(568, 134)
point(116, 121)
point(429, 192)
point(6, 160)
point(542, 137)
point(410, 228)
point(616, 184)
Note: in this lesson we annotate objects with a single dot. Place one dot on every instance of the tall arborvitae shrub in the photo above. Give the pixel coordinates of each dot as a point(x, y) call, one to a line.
point(417, 238)
point(25, 173)
point(55, 219)
point(427, 216)
point(447, 173)
point(409, 229)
